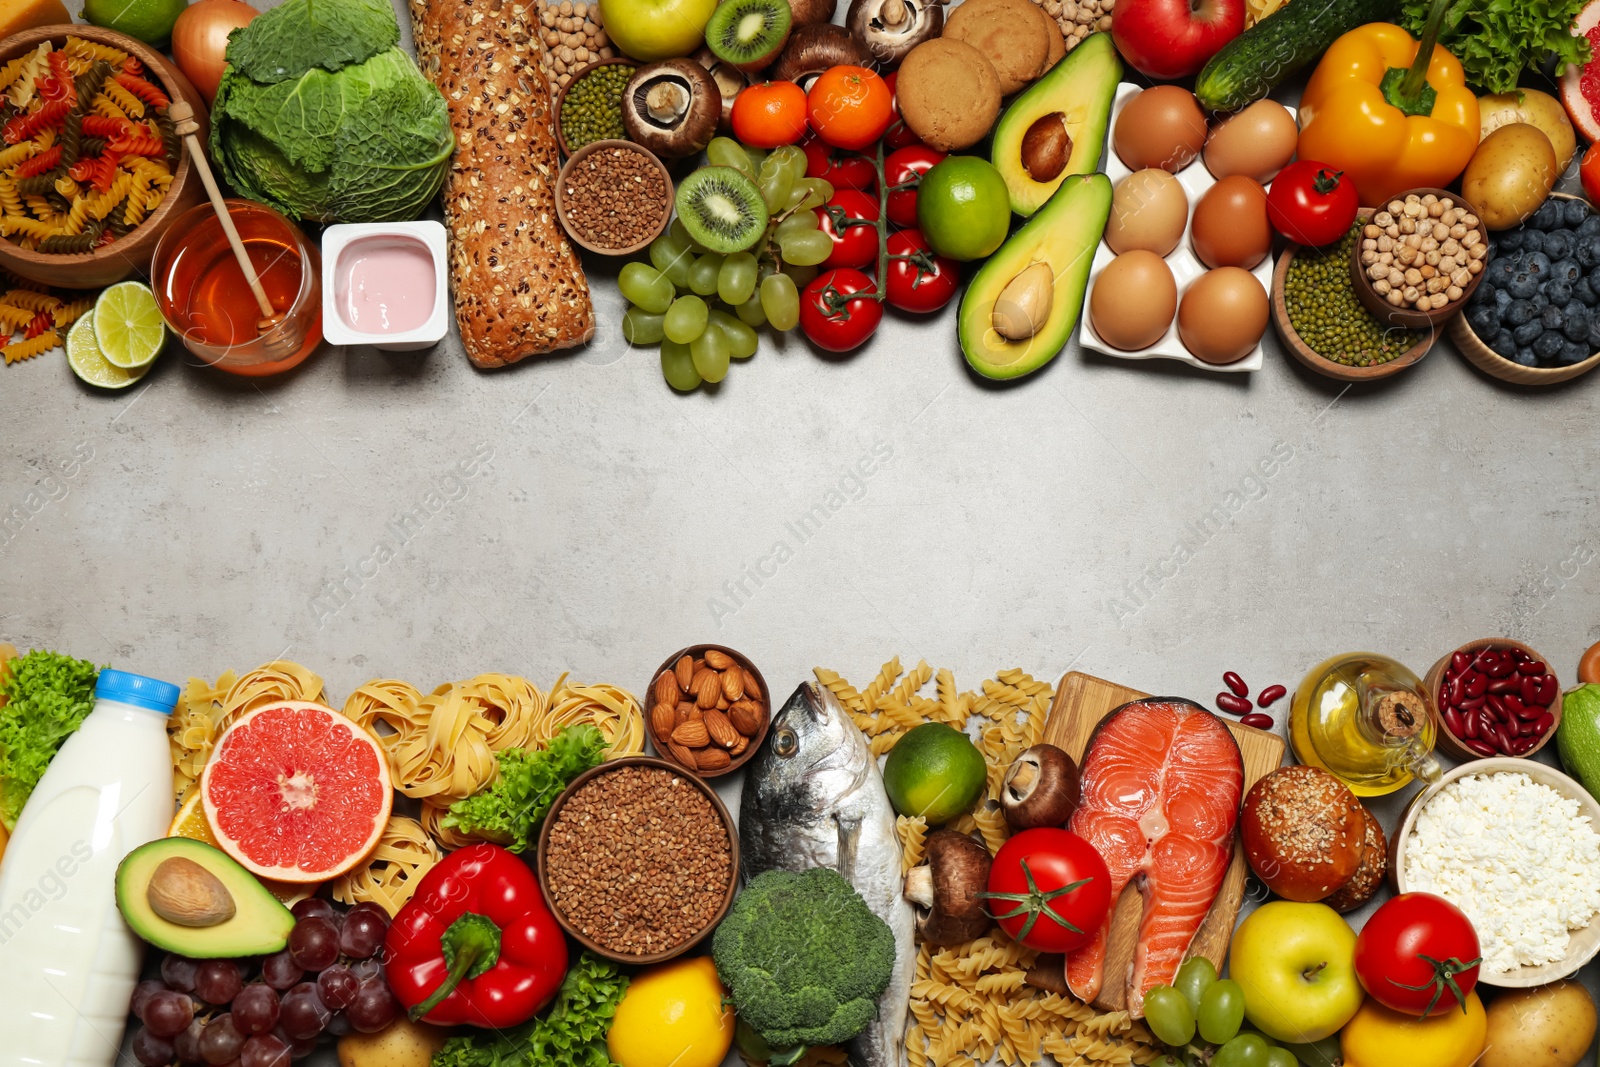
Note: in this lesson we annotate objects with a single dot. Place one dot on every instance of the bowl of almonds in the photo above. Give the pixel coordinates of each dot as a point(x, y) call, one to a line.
point(709, 709)
point(1419, 259)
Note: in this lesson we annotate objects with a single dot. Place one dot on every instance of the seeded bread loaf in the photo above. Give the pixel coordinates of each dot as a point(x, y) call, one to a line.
point(519, 286)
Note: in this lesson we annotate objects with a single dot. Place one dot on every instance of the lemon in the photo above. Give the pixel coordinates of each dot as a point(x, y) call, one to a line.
point(89, 363)
point(672, 1016)
point(934, 771)
point(149, 21)
point(129, 326)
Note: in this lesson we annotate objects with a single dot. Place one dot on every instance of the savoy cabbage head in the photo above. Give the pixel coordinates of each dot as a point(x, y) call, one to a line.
point(321, 115)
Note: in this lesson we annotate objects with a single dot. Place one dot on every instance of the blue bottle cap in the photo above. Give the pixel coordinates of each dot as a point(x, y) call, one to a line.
point(136, 689)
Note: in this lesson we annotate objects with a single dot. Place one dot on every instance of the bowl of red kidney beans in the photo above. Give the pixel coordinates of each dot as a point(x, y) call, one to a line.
point(1494, 697)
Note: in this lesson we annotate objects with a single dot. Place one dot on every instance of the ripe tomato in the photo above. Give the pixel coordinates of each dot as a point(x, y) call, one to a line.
point(840, 169)
point(851, 219)
point(1050, 889)
point(1310, 203)
point(918, 279)
point(770, 114)
point(1418, 952)
point(898, 135)
point(902, 174)
point(850, 107)
point(1589, 173)
point(838, 310)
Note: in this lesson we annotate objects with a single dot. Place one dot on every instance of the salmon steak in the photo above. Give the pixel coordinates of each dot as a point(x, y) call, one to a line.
point(1161, 781)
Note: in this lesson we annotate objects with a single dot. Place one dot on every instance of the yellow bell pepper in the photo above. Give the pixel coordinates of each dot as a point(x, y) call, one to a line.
point(1375, 110)
point(1379, 1037)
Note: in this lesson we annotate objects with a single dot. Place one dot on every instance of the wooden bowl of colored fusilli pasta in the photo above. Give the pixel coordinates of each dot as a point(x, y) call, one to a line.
point(91, 172)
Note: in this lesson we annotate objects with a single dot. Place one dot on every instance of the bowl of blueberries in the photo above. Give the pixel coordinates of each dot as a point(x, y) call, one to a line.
point(1535, 319)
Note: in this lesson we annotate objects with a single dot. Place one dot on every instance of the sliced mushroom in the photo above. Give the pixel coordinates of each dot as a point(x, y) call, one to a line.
point(672, 107)
point(945, 888)
point(811, 12)
point(1040, 789)
point(730, 80)
point(813, 49)
point(891, 28)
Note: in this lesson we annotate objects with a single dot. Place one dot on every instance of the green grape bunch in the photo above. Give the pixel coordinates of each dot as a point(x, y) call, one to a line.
point(1200, 1018)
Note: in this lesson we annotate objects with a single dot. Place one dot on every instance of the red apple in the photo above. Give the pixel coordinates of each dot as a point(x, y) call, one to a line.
point(1171, 39)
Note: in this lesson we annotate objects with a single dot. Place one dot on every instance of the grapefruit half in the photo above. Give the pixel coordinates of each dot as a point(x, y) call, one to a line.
point(1580, 86)
point(296, 792)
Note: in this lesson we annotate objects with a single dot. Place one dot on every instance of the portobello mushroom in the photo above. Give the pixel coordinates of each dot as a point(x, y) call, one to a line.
point(672, 107)
point(945, 888)
point(891, 28)
point(1040, 788)
point(813, 49)
point(810, 12)
point(730, 80)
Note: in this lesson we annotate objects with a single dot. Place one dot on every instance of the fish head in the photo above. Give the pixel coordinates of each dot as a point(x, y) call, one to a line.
point(813, 747)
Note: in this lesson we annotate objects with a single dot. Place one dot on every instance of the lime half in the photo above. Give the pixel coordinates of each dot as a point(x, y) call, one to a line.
point(147, 20)
point(128, 325)
point(90, 364)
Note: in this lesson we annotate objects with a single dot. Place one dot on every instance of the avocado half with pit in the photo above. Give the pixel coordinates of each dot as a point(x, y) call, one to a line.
point(1057, 128)
point(1019, 309)
point(187, 897)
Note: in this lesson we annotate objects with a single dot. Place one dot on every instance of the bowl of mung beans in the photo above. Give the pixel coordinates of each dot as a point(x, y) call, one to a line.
point(613, 197)
point(638, 859)
point(1325, 326)
point(589, 107)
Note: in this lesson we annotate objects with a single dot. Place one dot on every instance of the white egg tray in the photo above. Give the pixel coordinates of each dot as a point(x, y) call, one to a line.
point(1185, 265)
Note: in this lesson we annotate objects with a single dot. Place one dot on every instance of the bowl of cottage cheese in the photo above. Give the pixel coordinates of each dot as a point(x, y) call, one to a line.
point(1516, 845)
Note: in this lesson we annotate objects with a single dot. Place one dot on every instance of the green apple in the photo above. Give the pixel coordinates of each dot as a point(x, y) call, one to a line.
point(1296, 964)
point(649, 30)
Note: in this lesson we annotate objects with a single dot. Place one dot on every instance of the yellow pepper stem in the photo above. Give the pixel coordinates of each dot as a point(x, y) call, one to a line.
point(1408, 89)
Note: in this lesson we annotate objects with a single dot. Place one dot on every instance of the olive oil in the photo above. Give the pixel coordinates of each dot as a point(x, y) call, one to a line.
point(1364, 718)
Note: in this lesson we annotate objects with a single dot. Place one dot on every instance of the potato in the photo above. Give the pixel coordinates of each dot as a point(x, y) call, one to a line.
point(402, 1044)
point(1510, 175)
point(1547, 1026)
point(1535, 108)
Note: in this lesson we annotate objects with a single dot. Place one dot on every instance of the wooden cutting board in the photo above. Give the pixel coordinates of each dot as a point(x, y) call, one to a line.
point(1081, 701)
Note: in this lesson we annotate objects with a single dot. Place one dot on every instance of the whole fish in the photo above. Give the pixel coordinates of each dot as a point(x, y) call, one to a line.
point(813, 797)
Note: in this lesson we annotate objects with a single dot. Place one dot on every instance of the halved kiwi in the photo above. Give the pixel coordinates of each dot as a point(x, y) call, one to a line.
point(722, 209)
point(749, 33)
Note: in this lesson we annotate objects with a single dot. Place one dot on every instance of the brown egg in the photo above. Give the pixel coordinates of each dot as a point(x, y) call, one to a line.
point(1231, 228)
point(1258, 142)
point(1223, 315)
point(1133, 300)
point(1148, 210)
point(1161, 127)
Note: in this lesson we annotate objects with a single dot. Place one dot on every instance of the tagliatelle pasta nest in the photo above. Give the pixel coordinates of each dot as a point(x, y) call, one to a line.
point(615, 712)
point(405, 852)
point(204, 711)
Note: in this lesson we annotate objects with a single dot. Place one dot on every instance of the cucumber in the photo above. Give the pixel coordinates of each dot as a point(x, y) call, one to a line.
point(1252, 64)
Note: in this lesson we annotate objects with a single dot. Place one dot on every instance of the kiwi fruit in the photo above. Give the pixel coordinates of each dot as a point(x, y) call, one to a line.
point(722, 209)
point(749, 33)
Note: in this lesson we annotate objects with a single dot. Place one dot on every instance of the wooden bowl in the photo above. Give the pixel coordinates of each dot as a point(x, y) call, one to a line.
point(584, 153)
point(1583, 944)
point(131, 254)
point(1494, 364)
point(542, 862)
point(1434, 680)
point(698, 652)
point(1319, 363)
point(1410, 318)
point(577, 76)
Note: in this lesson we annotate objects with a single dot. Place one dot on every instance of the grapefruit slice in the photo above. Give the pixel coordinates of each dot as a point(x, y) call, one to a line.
point(1580, 86)
point(191, 822)
point(296, 792)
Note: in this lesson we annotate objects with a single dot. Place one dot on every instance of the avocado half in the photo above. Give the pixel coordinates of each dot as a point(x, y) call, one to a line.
point(259, 925)
point(1081, 88)
point(1063, 234)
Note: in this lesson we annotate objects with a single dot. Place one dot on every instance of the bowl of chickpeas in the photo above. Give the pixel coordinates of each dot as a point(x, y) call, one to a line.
point(1420, 258)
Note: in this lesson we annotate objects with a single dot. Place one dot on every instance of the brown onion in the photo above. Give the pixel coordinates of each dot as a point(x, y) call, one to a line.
point(200, 40)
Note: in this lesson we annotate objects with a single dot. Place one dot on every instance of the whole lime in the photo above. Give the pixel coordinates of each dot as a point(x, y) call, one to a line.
point(149, 21)
point(934, 771)
point(963, 208)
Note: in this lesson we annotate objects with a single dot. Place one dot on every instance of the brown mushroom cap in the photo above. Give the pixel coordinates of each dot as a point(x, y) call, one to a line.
point(811, 12)
point(672, 107)
point(1040, 788)
point(813, 49)
point(945, 887)
point(730, 80)
point(891, 28)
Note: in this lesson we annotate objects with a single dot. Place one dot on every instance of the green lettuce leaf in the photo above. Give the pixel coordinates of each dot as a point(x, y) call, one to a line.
point(509, 811)
point(1496, 40)
point(573, 1034)
point(288, 40)
point(47, 696)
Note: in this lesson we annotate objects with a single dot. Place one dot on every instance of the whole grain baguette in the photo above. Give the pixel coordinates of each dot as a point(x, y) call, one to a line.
point(519, 286)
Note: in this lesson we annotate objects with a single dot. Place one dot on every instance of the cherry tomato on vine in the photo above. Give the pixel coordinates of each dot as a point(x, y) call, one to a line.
point(1049, 888)
point(769, 115)
point(1310, 203)
point(849, 106)
point(838, 310)
point(902, 173)
point(918, 279)
point(851, 220)
point(837, 167)
point(1418, 954)
point(898, 135)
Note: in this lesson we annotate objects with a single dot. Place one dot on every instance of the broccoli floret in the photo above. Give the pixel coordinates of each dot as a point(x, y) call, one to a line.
point(804, 958)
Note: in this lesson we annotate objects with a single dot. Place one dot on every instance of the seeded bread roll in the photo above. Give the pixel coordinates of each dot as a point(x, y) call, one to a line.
point(519, 286)
point(1363, 885)
point(1303, 832)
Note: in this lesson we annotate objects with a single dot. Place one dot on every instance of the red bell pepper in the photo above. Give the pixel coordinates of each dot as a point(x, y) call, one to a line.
point(476, 944)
